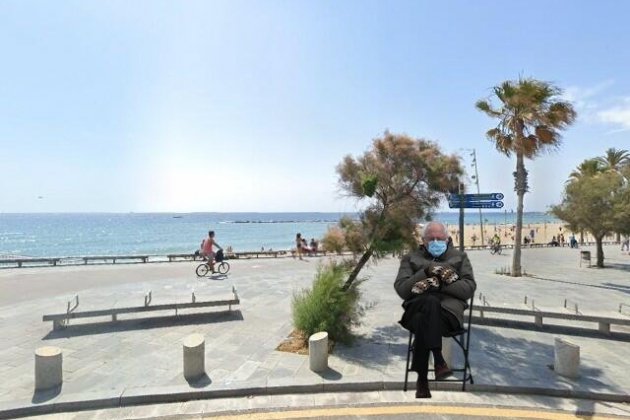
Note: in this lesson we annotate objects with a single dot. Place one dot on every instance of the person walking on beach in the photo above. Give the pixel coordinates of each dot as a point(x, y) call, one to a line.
point(207, 249)
point(435, 281)
point(298, 245)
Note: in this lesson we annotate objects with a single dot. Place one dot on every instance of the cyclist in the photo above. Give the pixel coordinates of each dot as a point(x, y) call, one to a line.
point(496, 242)
point(207, 249)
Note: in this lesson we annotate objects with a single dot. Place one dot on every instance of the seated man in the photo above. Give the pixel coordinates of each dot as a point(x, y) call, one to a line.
point(435, 282)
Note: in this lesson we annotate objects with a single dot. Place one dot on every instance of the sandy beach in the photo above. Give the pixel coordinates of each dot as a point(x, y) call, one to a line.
point(542, 233)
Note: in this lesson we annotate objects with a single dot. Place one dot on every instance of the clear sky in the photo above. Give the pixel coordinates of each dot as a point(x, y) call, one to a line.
point(249, 106)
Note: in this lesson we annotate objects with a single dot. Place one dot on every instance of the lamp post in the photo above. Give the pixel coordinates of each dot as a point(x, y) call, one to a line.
point(476, 178)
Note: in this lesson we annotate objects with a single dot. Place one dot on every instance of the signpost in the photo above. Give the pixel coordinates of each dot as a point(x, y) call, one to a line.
point(475, 204)
point(474, 201)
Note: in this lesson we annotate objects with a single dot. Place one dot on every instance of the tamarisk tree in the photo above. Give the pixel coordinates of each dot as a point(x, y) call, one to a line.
point(401, 180)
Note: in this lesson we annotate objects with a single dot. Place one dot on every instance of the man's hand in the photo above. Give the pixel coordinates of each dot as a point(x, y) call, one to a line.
point(428, 284)
point(445, 275)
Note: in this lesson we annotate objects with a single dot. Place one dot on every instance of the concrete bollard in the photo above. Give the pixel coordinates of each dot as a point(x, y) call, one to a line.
point(48, 368)
point(318, 351)
point(566, 358)
point(194, 356)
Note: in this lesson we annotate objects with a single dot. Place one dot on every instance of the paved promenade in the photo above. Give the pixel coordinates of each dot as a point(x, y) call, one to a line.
point(139, 361)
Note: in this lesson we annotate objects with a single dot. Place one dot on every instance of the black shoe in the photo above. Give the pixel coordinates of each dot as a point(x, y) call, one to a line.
point(442, 372)
point(422, 389)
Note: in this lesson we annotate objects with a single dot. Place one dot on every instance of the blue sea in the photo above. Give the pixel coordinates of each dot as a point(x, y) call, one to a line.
point(83, 234)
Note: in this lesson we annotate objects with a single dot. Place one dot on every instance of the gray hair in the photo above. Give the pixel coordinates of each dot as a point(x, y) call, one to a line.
point(434, 223)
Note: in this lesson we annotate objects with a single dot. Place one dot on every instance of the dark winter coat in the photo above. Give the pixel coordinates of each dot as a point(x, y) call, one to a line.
point(453, 296)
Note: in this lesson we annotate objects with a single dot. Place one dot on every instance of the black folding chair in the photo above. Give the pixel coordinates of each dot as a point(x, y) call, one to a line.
point(462, 338)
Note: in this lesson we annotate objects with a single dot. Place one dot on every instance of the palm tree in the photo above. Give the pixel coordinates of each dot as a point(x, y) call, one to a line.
point(530, 117)
point(589, 167)
point(614, 159)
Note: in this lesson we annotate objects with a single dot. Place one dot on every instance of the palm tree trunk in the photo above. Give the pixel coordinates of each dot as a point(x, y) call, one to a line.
point(355, 272)
point(600, 251)
point(520, 182)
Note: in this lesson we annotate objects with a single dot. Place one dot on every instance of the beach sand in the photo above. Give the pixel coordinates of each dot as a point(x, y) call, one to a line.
point(543, 233)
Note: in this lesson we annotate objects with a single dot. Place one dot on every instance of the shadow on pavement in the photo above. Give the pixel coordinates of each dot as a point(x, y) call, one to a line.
point(602, 286)
point(215, 276)
point(616, 266)
point(47, 395)
point(201, 382)
point(144, 324)
point(331, 374)
point(618, 287)
point(385, 344)
point(500, 360)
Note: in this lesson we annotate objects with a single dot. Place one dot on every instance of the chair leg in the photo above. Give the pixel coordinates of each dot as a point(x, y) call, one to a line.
point(467, 371)
point(409, 350)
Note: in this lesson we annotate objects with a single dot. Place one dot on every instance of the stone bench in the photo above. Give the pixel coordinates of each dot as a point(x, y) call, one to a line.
point(113, 258)
point(21, 261)
point(62, 320)
point(603, 322)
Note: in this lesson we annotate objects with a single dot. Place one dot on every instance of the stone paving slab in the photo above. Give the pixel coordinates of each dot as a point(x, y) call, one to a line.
point(144, 356)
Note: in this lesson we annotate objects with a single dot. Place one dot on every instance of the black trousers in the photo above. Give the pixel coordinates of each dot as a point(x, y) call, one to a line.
point(425, 317)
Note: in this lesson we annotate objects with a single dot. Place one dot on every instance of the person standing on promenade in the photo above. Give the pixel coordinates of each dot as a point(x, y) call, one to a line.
point(207, 248)
point(435, 281)
point(298, 245)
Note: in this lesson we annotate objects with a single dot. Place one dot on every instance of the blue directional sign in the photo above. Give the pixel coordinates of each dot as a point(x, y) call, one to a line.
point(494, 204)
point(476, 197)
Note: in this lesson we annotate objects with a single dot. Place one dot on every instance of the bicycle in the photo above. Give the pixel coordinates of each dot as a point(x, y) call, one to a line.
point(220, 266)
point(495, 249)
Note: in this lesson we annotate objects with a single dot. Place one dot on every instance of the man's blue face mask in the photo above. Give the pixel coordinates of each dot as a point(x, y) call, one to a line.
point(437, 248)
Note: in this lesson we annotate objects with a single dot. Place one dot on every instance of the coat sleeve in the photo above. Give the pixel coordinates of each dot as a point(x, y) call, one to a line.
point(465, 287)
point(407, 277)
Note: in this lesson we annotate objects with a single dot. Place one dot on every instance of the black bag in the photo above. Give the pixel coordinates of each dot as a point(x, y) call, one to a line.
point(218, 257)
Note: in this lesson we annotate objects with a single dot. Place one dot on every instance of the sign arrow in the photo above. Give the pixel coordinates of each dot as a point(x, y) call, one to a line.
point(475, 204)
point(476, 197)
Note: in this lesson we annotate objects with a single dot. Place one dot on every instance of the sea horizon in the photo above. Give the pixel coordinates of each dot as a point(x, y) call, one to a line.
point(161, 233)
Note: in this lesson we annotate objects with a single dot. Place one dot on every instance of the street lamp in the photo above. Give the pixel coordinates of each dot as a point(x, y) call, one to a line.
point(475, 178)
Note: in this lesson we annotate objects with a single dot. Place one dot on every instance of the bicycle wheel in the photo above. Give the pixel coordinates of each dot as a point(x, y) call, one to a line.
point(202, 270)
point(223, 267)
point(499, 250)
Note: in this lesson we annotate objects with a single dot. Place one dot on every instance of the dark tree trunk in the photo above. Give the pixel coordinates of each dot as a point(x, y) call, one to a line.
point(355, 272)
point(600, 251)
point(520, 186)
